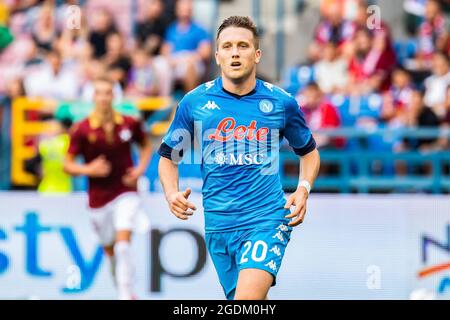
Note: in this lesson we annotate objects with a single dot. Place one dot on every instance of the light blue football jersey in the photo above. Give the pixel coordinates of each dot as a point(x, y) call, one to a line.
point(237, 139)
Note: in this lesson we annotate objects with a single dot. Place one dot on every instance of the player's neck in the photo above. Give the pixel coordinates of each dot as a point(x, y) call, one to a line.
point(240, 88)
point(105, 115)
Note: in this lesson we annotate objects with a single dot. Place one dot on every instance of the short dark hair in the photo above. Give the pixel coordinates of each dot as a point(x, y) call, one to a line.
point(104, 78)
point(240, 22)
point(312, 85)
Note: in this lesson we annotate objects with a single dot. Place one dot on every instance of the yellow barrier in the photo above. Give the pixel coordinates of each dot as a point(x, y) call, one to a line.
point(23, 128)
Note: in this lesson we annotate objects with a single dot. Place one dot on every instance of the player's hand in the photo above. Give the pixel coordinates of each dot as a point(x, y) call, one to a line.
point(99, 167)
point(179, 204)
point(131, 177)
point(297, 199)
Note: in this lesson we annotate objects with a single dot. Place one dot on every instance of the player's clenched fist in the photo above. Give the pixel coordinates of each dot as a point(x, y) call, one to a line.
point(179, 204)
point(99, 167)
point(297, 199)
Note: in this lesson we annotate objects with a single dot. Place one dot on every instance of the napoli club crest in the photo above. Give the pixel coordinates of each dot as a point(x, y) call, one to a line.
point(265, 106)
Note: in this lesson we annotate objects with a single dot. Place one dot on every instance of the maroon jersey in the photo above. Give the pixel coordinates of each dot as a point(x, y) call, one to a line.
point(89, 139)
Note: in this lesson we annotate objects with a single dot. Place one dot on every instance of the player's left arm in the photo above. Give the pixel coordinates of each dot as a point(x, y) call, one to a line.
point(145, 153)
point(301, 140)
point(309, 169)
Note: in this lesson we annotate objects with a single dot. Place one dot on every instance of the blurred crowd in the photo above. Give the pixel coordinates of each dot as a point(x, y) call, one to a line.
point(353, 56)
point(51, 50)
point(55, 49)
point(57, 52)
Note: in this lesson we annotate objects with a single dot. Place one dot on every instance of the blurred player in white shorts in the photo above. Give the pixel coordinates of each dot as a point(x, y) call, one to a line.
point(105, 140)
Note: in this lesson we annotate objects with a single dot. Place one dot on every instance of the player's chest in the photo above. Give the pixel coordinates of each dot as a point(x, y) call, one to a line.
point(108, 139)
point(241, 117)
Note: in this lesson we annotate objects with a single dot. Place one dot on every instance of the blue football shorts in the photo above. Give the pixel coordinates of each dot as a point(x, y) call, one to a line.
point(259, 248)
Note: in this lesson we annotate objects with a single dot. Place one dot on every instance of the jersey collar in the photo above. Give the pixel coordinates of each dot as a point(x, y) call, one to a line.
point(94, 120)
point(236, 95)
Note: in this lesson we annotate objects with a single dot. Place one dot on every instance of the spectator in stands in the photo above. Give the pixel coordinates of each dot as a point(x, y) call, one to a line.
point(380, 31)
point(419, 116)
point(102, 25)
point(15, 88)
point(53, 81)
point(444, 141)
point(368, 71)
point(117, 59)
point(398, 98)
point(74, 42)
point(97, 69)
point(436, 85)
point(332, 28)
point(150, 32)
point(143, 80)
point(188, 47)
point(432, 37)
point(320, 114)
point(44, 29)
point(16, 6)
point(33, 58)
point(169, 10)
point(331, 72)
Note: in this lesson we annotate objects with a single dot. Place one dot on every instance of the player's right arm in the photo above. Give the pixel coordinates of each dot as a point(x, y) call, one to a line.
point(177, 200)
point(97, 168)
point(175, 143)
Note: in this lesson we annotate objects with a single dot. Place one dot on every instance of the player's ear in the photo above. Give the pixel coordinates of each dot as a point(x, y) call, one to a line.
point(217, 58)
point(258, 54)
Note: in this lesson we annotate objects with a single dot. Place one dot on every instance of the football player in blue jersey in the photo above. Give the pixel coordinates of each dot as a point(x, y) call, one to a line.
point(238, 121)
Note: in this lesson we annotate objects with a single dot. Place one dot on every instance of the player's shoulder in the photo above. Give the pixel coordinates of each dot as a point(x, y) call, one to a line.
point(129, 119)
point(276, 92)
point(202, 90)
point(80, 126)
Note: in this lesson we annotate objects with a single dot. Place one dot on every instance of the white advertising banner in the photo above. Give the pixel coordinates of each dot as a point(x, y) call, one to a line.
point(349, 247)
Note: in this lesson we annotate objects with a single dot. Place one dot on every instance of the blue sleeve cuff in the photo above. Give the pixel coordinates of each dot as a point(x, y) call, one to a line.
point(310, 146)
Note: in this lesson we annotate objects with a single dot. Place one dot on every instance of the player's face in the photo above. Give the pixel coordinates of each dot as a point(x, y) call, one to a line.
point(236, 54)
point(103, 94)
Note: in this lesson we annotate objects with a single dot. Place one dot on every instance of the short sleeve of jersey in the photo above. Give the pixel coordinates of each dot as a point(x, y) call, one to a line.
point(296, 131)
point(181, 131)
point(76, 140)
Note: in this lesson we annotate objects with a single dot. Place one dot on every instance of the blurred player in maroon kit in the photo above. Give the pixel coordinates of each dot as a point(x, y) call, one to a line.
point(104, 140)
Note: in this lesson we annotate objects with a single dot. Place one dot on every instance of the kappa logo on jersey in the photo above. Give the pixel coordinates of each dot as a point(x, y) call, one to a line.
point(279, 236)
point(282, 227)
point(227, 130)
point(211, 105)
point(272, 265)
point(209, 84)
point(268, 86)
point(276, 250)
